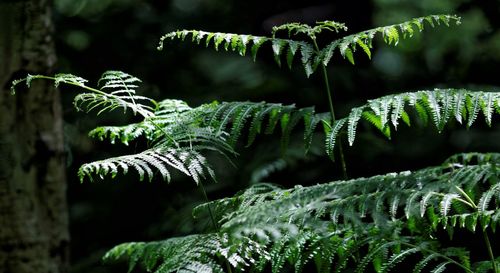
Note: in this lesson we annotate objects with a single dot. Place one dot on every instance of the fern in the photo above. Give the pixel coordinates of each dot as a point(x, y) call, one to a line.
point(172, 124)
point(310, 56)
point(306, 207)
point(348, 225)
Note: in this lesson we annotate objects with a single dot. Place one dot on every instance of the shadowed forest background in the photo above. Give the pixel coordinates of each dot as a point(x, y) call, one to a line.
point(93, 36)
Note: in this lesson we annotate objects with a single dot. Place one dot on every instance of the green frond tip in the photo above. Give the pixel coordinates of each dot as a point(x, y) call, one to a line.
point(391, 35)
point(310, 31)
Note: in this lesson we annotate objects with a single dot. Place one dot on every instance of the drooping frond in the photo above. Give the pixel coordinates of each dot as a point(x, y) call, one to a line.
point(261, 117)
point(248, 43)
point(439, 105)
point(310, 56)
point(407, 194)
point(248, 119)
point(147, 163)
point(358, 223)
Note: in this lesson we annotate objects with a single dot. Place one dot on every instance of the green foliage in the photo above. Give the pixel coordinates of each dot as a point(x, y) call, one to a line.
point(378, 223)
point(330, 222)
point(311, 56)
point(178, 133)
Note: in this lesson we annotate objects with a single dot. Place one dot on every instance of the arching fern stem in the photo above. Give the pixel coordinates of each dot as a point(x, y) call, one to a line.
point(332, 110)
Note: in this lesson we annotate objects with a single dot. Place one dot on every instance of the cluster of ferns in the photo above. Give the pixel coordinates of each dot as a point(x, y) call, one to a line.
point(352, 225)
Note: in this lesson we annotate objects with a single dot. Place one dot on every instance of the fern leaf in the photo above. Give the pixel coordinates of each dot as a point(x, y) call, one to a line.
point(278, 45)
point(432, 102)
point(398, 257)
point(331, 133)
point(391, 35)
point(257, 43)
point(485, 199)
point(425, 261)
point(440, 267)
point(487, 106)
point(189, 162)
point(446, 202)
point(307, 52)
point(292, 49)
point(473, 104)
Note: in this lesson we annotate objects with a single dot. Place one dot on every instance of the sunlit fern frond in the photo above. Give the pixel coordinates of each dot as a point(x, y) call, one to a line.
point(201, 253)
point(310, 55)
point(427, 194)
point(439, 106)
point(147, 163)
point(117, 91)
point(391, 34)
point(175, 132)
point(262, 117)
point(169, 113)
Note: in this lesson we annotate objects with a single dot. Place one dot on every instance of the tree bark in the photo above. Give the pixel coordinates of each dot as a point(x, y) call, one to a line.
point(33, 210)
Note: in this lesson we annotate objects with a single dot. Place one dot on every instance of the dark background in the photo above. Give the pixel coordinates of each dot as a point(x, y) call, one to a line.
point(97, 35)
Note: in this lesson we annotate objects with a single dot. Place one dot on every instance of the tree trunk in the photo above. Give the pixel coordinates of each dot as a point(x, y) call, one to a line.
point(33, 211)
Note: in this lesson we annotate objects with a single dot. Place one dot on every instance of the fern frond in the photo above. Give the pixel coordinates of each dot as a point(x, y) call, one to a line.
point(194, 253)
point(189, 162)
point(391, 35)
point(117, 91)
point(438, 187)
point(269, 226)
point(311, 57)
point(439, 105)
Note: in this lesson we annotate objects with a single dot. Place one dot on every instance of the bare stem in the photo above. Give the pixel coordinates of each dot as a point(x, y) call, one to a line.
point(490, 251)
point(212, 218)
point(332, 110)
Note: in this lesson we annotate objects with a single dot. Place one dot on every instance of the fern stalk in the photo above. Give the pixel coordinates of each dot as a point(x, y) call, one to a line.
point(332, 110)
point(212, 219)
point(490, 251)
point(205, 196)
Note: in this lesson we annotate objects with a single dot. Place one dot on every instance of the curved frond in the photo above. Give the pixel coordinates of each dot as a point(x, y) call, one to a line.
point(189, 162)
point(439, 105)
point(310, 57)
point(391, 35)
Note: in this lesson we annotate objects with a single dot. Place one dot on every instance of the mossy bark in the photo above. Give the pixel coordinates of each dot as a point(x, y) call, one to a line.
point(34, 233)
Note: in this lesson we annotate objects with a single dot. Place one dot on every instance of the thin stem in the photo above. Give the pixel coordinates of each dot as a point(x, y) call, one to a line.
point(490, 251)
point(212, 218)
point(332, 110)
